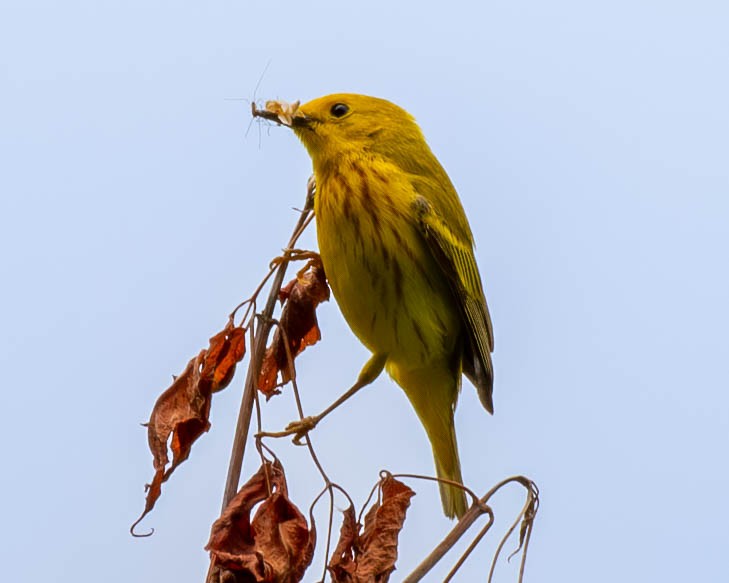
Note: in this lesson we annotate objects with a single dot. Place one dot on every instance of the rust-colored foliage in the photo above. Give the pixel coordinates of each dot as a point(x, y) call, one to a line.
point(370, 556)
point(227, 348)
point(298, 324)
point(276, 546)
point(182, 411)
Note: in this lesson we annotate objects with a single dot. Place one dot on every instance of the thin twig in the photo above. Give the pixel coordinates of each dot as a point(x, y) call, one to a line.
point(310, 447)
point(500, 548)
point(467, 553)
point(463, 487)
point(258, 350)
point(528, 536)
point(471, 515)
point(478, 508)
point(329, 485)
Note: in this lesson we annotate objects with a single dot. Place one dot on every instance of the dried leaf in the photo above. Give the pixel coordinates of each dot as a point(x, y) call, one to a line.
point(276, 546)
point(371, 556)
point(227, 348)
point(342, 565)
point(182, 411)
point(528, 515)
point(298, 324)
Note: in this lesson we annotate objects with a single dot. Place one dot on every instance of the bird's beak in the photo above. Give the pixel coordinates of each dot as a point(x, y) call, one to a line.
point(281, 112)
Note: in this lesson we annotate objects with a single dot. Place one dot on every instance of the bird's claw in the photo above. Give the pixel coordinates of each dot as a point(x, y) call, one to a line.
point(299, 429)
point(292, 255)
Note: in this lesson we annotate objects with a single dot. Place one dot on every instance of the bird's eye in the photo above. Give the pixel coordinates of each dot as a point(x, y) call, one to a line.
point(339, 109)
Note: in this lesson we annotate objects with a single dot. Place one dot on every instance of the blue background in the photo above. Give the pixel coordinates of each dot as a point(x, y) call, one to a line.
point(589, 143)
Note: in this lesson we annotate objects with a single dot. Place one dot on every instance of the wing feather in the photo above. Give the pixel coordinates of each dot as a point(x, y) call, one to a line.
point(458, 263)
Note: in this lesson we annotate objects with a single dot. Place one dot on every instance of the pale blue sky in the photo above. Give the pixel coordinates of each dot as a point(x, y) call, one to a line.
point(589, 142)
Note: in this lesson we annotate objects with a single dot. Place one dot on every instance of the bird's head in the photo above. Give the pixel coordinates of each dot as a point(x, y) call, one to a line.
point(333, 126)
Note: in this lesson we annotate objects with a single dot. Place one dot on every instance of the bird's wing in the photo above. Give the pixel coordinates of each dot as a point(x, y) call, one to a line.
point(458, 263)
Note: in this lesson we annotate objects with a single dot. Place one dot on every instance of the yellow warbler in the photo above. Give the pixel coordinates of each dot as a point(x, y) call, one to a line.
point(398, 252)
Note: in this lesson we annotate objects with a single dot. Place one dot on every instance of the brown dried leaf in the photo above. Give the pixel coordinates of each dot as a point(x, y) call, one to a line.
point(298, 324)
point(342, 565)
point(370, 557)
point(182, 411)
point(277, 546)
point(227, 348)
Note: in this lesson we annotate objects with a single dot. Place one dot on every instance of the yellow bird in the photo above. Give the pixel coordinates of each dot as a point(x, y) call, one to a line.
point(398, 253)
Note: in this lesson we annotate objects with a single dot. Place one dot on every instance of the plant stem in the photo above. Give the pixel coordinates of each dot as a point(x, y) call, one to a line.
point(257, 352)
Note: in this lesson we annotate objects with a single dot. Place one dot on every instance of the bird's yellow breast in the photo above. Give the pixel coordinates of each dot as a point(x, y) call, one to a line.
point(387, 284)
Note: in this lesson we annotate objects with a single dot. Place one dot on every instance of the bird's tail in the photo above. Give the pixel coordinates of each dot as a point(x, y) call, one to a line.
point(433, 393)
point(448, 467)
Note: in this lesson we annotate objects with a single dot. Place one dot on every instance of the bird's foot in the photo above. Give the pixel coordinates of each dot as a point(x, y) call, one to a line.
point(299, 429)
point(293, 255)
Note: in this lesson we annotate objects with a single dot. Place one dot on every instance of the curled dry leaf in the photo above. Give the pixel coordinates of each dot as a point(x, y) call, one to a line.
point(182, 411)
point(286, 112)
point(276, 546)
point(227, 348)
point(343, 564)
point(371, 556)
point(528, 515)
point(298, 324)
